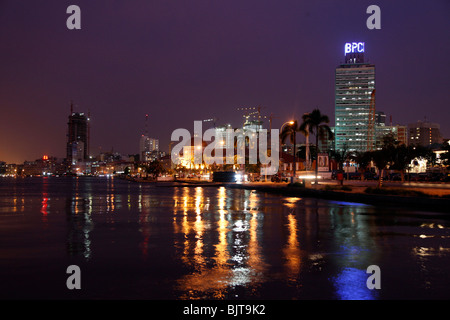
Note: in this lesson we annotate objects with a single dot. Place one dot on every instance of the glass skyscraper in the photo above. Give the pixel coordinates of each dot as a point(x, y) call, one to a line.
point(355, 101)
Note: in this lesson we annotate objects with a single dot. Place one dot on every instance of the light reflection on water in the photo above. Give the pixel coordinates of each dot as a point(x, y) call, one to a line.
point(291, 251)
point(224, 243)
point(351, 285)
point(229, 255)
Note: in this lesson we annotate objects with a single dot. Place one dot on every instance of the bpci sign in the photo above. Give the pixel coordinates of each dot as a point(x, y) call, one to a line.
point(352, 47)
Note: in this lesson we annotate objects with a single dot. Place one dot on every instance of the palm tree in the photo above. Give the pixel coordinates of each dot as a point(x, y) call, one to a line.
point(363, 160)
point(385, 157)
point(316, 123)
point(403, 155)
point(381, 160)
point(290, 130)
point(340, 156)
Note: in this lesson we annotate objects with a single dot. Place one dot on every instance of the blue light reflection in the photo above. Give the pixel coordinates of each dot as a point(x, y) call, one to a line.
point(345, 203)
point(351, 285)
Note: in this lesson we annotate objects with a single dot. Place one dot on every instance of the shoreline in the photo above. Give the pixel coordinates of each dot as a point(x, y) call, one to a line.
point(426, 202)
point(428, 199)
point(422, 203)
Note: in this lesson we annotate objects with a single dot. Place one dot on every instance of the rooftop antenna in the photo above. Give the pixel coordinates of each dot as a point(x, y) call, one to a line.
point(88, 133)
point(146, 125)
point(271, 117)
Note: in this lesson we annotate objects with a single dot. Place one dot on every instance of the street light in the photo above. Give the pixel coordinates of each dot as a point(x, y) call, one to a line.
point(281, 130)
point(290, 122)
point(307, 151)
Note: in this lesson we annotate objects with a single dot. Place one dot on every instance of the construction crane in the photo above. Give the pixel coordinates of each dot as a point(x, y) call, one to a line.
point(271, 117)
point(255, 112)
point(213, 120)
point(251, 112)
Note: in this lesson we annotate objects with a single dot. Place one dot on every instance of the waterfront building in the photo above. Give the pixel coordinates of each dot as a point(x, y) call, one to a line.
point(380, 118)
point(13, 169)
point(3, 168)
point(424, 133)
point(355, 101)
point(402, 135)
point(287, 164)
point(148, 147)
point(45, 166)
point(77, 148)
point(398, 132)
point(229, 137)
point(225, 137)
point(325, 143)
point(253, 125)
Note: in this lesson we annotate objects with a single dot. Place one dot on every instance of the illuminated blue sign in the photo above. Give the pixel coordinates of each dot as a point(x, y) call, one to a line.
point(352, 47)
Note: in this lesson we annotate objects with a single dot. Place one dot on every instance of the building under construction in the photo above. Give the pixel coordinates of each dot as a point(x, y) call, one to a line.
point(77, 149)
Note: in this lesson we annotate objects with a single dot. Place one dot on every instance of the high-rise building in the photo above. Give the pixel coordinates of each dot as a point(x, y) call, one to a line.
point(402, 135)
point(147, 147)
point(224, 134)
point(325, 143)
point(424, 133)
point(380, 118)
point(355, 101)
point(398, 133)
point(77, 148)
point(253, 125)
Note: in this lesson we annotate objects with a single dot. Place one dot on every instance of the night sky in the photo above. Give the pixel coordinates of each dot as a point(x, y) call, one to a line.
point(181, 61)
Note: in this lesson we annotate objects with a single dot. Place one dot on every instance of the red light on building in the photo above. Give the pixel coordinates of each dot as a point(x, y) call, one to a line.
point(45, 158)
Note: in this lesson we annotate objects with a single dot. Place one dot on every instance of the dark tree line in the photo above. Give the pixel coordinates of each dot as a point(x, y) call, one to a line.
point(391, 155)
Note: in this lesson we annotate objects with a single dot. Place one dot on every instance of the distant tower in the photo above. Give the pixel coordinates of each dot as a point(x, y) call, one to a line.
point(77, 137)
point(147, 145)
point(146, 125)
point(88, 134)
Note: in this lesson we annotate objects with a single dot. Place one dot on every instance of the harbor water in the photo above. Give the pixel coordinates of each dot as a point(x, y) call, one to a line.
point(166, 241)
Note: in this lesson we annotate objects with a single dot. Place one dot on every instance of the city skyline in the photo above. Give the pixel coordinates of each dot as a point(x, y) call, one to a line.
point(183, 62)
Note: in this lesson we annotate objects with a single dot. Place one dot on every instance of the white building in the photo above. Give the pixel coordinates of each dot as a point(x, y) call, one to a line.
point(147, 146)
point(424, 133)
point(225, 137)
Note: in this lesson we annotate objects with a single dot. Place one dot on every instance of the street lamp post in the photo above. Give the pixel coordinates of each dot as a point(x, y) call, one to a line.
point(308, 154)
point(281, 130)
point(307, 151)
